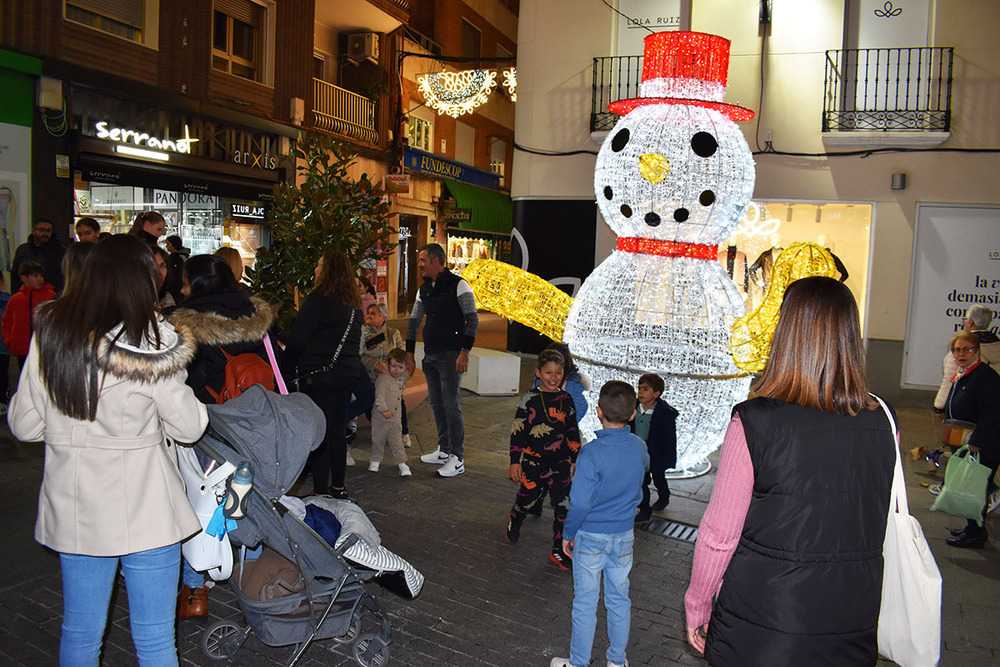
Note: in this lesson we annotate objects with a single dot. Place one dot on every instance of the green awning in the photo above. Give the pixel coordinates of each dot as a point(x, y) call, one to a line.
point(491, 210)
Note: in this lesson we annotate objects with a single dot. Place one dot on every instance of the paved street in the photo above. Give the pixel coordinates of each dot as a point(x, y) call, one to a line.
point(485, 602)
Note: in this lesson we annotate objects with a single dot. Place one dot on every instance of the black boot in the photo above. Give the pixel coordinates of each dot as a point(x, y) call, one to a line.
point(973, 537)
point(514, 521)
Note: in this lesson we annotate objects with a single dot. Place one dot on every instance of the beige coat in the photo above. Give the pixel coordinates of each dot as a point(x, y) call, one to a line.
point(111, 487)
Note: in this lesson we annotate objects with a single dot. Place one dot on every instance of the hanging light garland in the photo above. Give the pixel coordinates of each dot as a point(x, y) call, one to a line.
point(510, 83)
point(457, 93)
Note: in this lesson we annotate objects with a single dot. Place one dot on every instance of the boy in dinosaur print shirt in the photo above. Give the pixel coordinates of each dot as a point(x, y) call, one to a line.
point(544, 442)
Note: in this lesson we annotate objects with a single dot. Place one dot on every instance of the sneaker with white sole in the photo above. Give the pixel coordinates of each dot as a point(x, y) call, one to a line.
point(454, 466)
point(615, 664)
point(994, 501)
point(373, 466)
point(437, 457)
point(350, 459)
point(935, 489)
point(560, 662)
point(404, 470)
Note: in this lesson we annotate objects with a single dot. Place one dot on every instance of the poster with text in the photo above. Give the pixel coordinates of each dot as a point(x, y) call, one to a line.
point(956, 264)
point(15, 189)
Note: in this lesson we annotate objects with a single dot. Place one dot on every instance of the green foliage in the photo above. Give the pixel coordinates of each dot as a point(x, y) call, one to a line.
point(324, 210)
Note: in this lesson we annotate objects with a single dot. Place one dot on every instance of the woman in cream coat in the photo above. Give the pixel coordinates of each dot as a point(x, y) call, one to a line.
point(104, 387)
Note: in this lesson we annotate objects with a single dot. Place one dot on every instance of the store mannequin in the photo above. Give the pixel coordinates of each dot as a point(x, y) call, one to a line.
point(824, 241)
point(735, 263)
point(761, 268)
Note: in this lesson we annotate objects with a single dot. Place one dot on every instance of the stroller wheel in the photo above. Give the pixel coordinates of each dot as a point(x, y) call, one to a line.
point(222, 640)
point(351, 634)
point(371, 651)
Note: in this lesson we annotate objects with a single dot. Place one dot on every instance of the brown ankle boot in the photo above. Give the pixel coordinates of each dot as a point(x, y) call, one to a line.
point(192, 603)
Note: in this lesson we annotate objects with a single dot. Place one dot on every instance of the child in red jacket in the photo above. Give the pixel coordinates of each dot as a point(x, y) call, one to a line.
point(17, 324)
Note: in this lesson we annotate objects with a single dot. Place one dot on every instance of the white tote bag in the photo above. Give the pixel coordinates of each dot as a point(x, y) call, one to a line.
point(909, 621)
point(204, 552)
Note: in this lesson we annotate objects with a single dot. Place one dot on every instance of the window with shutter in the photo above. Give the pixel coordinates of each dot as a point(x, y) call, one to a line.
point(122, 18)
point(238, 28)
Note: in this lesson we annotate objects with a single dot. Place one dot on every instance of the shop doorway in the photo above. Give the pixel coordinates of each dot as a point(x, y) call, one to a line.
point(409, 245)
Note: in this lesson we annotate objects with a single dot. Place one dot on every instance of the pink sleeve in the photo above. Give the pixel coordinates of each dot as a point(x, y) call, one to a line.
point(720, 528)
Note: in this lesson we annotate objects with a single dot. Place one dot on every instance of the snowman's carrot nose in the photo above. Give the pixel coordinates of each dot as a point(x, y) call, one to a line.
point(654, 167)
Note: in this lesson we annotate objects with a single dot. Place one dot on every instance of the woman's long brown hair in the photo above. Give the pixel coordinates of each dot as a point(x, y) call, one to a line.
point(116, 285)
point(337, 279)
point(817, 358)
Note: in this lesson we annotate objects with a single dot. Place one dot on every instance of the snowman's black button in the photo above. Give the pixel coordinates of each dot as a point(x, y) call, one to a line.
point(626, 210)
point(620, 139)
point(707, 198)
point(608, 193)
point(681, 214)
point(652, 219)
point(704, 144)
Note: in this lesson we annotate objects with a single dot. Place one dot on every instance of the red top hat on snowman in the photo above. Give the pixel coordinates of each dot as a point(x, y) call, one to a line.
point(684, 68)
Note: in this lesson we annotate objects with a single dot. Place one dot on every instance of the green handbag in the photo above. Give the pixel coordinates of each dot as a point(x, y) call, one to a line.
point(964, 491)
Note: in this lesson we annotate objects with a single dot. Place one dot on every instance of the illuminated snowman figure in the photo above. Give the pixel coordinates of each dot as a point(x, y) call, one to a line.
point(672, 180)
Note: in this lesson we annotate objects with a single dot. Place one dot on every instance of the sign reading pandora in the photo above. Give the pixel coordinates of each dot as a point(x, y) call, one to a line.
point(127, 136)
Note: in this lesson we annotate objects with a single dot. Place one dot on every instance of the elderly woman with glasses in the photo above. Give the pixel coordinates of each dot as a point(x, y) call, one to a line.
point(975, 397)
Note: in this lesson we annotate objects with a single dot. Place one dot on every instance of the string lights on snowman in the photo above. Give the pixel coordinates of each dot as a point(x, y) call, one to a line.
point(672, 179)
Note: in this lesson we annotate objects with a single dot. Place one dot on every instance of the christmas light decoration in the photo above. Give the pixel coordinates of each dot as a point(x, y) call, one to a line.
point(755, 222)
point(510, 83)
point(752, 335)
point(504, 289)
point(672, 179)
point(457, 93)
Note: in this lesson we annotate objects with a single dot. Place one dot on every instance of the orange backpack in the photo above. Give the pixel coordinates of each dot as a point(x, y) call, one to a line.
point(242, 372)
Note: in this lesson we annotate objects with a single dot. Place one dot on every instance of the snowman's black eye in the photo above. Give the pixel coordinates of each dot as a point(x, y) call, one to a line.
point(704, 144)
point(681, 214)
point(652, 219)
point(621, 138)
point(626, 210)
point(707, 198)
point(608, 193)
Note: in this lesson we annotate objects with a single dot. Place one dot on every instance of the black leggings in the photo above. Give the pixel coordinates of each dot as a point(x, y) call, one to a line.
point(329, 461)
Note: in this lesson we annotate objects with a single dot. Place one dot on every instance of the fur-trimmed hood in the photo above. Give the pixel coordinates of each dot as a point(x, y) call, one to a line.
point(146, 363)
point(213, 328)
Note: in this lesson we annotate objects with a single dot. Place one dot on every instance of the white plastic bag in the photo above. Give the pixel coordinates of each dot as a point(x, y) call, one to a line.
point(204, 552)
point(909, 620)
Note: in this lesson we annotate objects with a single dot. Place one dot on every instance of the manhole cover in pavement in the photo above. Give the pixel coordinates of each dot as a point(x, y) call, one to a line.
point(673, 529)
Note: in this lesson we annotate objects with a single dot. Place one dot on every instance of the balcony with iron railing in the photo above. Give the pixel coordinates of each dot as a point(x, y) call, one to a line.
point(340, 111)
point(615, 78)
point(903, 92)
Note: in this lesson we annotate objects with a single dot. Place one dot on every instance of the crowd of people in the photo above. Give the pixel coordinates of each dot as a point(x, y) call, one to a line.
point(788, 562)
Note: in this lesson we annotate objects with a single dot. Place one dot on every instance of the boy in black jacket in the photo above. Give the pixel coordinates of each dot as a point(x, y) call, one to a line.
point(655, 422)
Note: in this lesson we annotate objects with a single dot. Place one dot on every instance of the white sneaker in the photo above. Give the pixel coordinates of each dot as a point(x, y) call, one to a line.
point(437, 457)
point(404, 470)
point(454, 466)
point(406, 441)
point(560, 662)
point(615, 664)
point(994, 501)
point(350, 459)
point(373, 466)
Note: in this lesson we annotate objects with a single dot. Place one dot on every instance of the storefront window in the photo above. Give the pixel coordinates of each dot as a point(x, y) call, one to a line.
point(204, 222)
point(465, 246)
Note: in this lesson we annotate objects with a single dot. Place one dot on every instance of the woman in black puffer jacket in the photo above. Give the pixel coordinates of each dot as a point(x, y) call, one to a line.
point(223, 318)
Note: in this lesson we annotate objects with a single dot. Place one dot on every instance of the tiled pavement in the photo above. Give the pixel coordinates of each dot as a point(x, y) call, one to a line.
point(485, 602)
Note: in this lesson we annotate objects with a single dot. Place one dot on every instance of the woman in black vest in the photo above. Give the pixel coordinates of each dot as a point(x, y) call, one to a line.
point(323, 350)
point(795, 526)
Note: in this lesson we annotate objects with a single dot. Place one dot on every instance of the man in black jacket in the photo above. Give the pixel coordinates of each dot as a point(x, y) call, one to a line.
point(42, 247)
point(449, 333)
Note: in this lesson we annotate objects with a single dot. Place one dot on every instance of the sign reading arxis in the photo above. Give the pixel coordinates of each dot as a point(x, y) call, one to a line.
point(126, 136)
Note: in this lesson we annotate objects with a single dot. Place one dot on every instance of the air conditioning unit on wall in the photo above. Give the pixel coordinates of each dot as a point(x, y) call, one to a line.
point(362, 46)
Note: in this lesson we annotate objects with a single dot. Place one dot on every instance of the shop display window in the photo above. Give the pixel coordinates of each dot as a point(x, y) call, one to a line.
point(768, 227)
point(463, 249)
point(204, 222)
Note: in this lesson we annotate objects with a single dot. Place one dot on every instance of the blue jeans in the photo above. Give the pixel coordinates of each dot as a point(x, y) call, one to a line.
point(151, 581)
point(594, 553)
point(443, 387)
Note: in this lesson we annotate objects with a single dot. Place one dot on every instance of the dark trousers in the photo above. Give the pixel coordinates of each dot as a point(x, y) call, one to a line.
point(973, 529)
point(328, 462)
point(4, 377)
point(659, 480)
point(537, 477)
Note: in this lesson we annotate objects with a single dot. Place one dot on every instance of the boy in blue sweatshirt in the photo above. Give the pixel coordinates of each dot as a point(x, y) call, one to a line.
point(598, 531)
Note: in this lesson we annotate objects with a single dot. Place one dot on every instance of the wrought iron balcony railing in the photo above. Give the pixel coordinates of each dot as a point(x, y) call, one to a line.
point(888, 90)
point(341, 111)
point(615, 78)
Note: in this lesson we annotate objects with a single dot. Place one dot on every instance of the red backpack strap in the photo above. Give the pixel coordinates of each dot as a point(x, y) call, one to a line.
point(219, 398)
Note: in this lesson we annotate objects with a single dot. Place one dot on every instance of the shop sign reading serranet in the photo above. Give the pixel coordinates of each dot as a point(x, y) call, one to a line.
point(142, 139)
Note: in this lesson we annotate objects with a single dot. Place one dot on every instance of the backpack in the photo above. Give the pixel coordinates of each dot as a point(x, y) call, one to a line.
point(242, 372)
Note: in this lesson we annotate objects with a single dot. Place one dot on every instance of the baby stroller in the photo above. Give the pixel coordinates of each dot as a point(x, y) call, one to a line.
point(275, 434)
